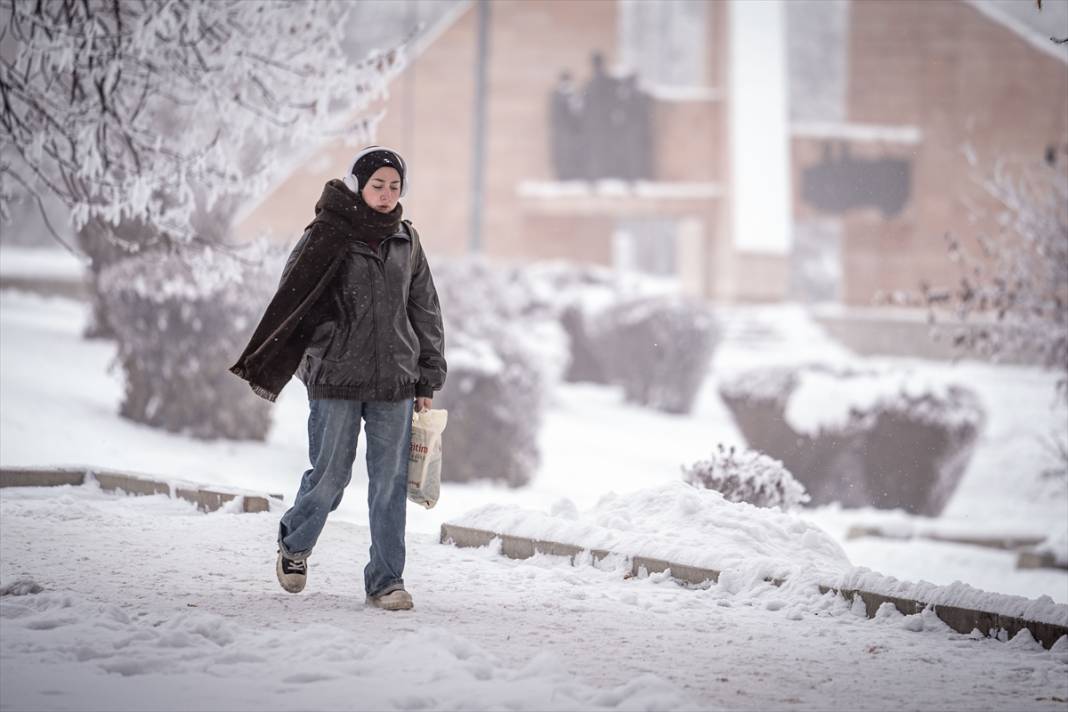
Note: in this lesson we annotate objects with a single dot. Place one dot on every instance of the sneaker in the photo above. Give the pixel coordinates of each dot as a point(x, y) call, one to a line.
point(395, 600)
point(292, 573)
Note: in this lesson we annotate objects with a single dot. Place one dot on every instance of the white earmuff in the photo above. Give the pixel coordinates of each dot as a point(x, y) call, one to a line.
point(350, 180)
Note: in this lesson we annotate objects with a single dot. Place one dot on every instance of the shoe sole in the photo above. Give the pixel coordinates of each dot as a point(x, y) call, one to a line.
point(291, 588)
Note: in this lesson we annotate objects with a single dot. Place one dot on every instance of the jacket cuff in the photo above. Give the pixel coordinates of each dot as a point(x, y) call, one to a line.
point(424, 390)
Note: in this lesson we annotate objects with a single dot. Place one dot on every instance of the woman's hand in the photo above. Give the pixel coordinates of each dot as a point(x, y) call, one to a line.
point(422, 404)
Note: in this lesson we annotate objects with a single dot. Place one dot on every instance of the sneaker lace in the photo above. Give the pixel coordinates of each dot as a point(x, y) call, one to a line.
point(293, 566)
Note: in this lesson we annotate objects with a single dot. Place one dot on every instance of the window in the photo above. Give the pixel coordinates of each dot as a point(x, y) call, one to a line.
point(646, 245)
point(664, 41)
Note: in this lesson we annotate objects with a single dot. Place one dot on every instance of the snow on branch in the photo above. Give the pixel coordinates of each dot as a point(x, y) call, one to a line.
point(1013, 293)
point(134, 110)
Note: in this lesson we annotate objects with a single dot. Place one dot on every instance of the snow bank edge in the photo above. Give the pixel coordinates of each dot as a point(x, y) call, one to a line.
point(961, 619)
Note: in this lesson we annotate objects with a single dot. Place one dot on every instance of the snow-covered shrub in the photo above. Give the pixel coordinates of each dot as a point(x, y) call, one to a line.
point(179, 321)
point(1055, 548)
point(584, 364)
point(747, 476)
point(578, 296)
point(495, 398)
point(504, 359)
point(861, 438)
point(658, 349)
point(575, 295)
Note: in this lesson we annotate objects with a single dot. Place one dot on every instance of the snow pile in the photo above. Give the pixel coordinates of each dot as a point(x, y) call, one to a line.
point(747, 544)
point(683, 524)
point(747, 476)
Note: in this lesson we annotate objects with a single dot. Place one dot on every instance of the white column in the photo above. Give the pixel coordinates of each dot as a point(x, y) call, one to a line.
point(759, 130)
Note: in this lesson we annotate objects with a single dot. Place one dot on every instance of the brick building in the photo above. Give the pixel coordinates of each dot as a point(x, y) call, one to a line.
point(896, 119)
point(884, 103)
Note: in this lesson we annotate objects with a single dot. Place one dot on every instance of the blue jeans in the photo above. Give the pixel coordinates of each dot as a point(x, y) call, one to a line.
point(333, 430)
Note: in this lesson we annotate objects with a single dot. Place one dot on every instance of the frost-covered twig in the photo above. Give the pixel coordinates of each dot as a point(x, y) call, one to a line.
point(1012, 295)
point(117, 108)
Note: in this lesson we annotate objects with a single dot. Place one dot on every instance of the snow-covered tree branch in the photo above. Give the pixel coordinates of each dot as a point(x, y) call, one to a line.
point(1012, 296)
point(135, 110)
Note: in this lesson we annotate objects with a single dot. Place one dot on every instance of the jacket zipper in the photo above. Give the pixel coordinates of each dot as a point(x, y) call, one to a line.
point(380, 262)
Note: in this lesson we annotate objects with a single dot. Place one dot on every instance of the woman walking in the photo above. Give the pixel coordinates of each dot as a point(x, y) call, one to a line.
point(356, 317)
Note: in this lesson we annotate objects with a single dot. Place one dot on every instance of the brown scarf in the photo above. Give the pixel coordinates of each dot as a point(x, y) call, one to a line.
point(277, 345)
point(371, 225)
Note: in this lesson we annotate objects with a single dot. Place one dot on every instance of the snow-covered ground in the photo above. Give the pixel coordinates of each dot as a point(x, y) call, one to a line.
point(118, 572)
point(148, 604)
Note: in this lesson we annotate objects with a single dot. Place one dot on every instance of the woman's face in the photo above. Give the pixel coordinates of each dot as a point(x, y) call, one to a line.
point(383, 189)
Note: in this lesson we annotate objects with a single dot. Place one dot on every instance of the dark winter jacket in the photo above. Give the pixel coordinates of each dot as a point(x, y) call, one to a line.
point(368, 324)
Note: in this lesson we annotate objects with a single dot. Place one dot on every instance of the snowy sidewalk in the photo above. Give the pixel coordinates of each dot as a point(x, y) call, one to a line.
point(148, 604)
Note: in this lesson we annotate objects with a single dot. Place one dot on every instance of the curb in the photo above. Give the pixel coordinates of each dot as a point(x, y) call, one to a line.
point(1039, 560)
point(962, 620)
point(46, 286)
point(207, 500)
point(1008, 543)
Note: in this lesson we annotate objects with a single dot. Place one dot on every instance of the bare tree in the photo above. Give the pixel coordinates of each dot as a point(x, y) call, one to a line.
point(1012, 294)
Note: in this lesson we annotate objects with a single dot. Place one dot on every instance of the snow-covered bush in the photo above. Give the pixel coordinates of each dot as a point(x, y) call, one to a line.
point(575, 295)
point(505, 357)
point(861, 438)
point(1055, 547)
point(484, 303)
point(585, 364)
point(495, 398)
point(658, 349)
point(179, 320)
point(747, 476)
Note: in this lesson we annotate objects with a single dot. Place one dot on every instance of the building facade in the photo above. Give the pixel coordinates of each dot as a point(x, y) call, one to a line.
point(523, 146)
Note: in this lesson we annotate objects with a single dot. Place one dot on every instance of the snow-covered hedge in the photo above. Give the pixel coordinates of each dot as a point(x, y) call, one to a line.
point(180, 321)
point(885, 439)
point(658, 349)
point(505, 356)
point(747, 476)
point(494, 395)
point(513, 333)
point(575, 295)
point(1055, 546)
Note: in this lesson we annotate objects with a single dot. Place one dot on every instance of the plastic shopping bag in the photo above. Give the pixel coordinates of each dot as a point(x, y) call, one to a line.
point(424, 462)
